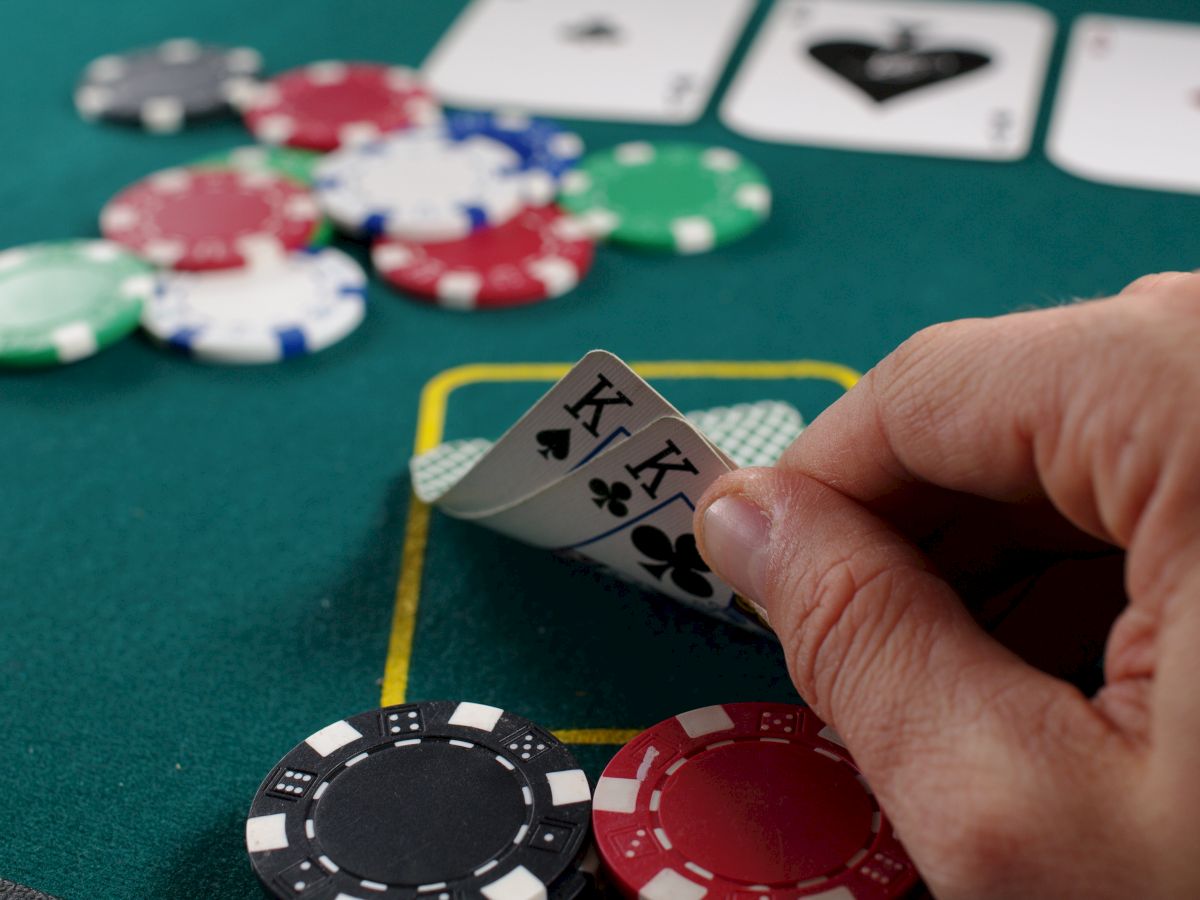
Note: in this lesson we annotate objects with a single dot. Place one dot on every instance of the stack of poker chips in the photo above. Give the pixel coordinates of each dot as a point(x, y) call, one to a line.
point(449, 799)
point(228, 259)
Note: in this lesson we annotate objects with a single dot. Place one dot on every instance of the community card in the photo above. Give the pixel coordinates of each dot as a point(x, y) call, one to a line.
point(600, 401)
point(927, 78)
point(626, 60)
point(1128, 106)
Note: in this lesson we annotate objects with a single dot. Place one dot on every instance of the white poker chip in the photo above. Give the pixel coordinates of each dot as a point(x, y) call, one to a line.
point(426, 184)
point(301, 304)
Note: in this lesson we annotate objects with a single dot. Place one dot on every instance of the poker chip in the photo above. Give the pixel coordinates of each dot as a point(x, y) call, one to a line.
point(666, 196)
point(166, 86)
point(259, 314)
point(424, 184)
point(439, 799)
point(540, 143)
point(200, 218)
point(63, 301)
point(327, 104)
point(289, 162)
point(536, 255)
point(744, 800)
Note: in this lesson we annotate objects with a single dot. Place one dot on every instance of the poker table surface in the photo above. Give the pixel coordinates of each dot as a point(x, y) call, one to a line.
point(202, 565)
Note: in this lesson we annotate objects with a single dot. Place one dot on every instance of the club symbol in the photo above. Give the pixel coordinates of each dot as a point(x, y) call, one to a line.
point(592, 31)
point(681, 559)
point(613, 496)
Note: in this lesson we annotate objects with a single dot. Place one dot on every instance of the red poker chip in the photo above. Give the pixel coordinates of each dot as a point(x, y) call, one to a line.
point(539, 254)
point(207, 218)
point(326, 104)
point(744, 800)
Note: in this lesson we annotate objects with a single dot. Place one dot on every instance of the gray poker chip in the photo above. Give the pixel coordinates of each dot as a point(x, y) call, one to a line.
point(166, 86)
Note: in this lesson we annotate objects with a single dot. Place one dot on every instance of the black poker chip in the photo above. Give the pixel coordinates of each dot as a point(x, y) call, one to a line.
point(441, 800)
point(163, 87)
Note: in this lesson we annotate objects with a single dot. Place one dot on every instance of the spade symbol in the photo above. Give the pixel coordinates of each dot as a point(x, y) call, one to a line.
point(554, 442)
point(592, 31)
point(614, 496)
point(680, 559)
point(883, 72)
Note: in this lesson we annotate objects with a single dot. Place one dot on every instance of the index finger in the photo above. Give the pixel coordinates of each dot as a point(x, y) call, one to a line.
point(1012, 409)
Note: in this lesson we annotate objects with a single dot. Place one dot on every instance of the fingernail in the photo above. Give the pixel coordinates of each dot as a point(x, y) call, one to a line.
point(737, 535)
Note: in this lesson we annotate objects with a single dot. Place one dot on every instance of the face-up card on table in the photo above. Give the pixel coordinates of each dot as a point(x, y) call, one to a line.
point(1128, 105)
point(625, 60)
point(599, 402)
point(926, 78)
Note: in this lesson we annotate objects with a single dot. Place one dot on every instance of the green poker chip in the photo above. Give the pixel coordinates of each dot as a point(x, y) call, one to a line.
point(289, 162)
point(685, 198)
point(63, 301)
point(298, 165)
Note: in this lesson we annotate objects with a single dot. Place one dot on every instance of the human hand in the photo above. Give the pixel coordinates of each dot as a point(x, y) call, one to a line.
point(979, 448)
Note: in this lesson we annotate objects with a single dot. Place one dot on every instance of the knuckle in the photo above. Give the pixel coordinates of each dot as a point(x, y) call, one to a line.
point(819, 602)
point(1186, 282)
point(835, 614)
point(911, 381)
point(917, 357)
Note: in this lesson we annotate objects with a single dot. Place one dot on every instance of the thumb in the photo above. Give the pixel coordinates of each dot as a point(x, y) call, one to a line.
point(877, 643)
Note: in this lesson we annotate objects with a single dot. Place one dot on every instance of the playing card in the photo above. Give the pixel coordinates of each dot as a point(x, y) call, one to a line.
point(1128, 106)
point(600, 401)
point(928, 78)
point(626, 60)
point(750, 434)
point(630, 509)
point(665, 460)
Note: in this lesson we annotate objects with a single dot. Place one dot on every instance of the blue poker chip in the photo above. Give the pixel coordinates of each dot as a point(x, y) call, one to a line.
point(540, 143)
point(296, 305)
point(427, 184)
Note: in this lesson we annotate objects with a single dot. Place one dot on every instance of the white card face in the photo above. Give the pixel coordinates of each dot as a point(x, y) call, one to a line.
point(626, 60)
point(630, 509)
point(936, 79)
point(666, 458)
point(1128, 106)
point(601, 401)
point(750, 434)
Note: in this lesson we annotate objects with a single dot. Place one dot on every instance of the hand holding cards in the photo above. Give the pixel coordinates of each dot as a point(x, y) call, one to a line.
point(603, 467)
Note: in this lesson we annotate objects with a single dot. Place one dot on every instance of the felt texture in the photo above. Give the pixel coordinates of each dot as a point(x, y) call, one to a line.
point(199, 563)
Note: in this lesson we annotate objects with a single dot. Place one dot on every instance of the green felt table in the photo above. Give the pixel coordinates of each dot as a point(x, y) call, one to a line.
point(199, 566)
